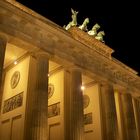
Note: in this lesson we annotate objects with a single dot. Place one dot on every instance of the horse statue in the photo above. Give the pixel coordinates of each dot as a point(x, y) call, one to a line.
point(74, 20)
point(100, 36)
point(84, 25)
point(93, 31)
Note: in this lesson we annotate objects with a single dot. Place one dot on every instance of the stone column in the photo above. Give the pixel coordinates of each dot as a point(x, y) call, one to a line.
point(128, 117)
point(136, 108)
point(108, 109)
point(2, 55)
point(37, 99)
point(119, 111)
point(73, 105)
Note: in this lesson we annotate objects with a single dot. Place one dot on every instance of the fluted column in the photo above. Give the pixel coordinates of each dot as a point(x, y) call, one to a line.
point(37, 99)
point(109, 118)
point(73, 105)
point(2, 55)
point(128, 117)
point(136, 108)
point(119, 110)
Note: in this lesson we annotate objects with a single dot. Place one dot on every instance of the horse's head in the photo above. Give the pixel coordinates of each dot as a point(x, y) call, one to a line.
point(100, 36)
point(86, 21)
point(101, 33)
point(96, 27)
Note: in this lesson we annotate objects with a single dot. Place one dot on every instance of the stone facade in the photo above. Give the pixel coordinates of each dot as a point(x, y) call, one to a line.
point(62, 58)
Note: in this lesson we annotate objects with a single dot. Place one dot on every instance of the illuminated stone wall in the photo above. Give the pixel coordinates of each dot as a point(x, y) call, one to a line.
point(92, 117)
point(14, 101)
point(55, 105)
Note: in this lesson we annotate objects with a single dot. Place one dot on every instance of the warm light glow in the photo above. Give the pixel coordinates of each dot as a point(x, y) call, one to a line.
point(48, 74)
point(15, 62)
point(82, 87)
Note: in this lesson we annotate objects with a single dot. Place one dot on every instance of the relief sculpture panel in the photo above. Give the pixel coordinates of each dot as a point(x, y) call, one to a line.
point(88, 118)
point(54, 110)
point(13, 103)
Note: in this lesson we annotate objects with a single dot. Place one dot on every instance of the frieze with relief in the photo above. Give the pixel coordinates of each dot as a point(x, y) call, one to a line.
point(13, 103)
point(88, 118)
point(54, 110)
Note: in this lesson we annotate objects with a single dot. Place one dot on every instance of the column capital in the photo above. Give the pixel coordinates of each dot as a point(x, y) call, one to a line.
point(37, 53)
point(72, 67)
point(104, 83)
point(3, 37)
point(137, 98)
point(123, 90)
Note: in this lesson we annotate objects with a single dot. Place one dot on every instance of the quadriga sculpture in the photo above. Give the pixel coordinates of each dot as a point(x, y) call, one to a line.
point(100, 36)
point(84, 25)
point(93, 31)
point(74, 20)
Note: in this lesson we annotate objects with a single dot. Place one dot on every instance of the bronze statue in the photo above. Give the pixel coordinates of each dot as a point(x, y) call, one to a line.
point(100, 36)
point(74, 20)
point(84, 25)
point(93, 31)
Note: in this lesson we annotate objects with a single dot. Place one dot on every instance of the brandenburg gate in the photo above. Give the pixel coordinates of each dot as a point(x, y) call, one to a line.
point(62, 83)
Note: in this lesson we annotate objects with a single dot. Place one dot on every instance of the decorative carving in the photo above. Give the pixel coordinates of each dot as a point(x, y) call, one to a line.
point(54, 110)
point(50, 90)
point(86, 101)
point(88, 118)
point(84, 25)
point(15, 79)
point(74, 20)
point(13, 103)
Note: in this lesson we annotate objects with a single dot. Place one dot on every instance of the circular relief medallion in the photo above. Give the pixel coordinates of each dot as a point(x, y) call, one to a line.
point(86, 100)
point(15, 79)
point(50, 90)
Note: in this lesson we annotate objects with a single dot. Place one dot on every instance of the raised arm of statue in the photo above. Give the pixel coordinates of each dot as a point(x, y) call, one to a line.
point(74, 17)
point(74, 20)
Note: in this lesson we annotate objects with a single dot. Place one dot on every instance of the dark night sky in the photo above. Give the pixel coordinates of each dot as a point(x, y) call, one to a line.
point(119, 19)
